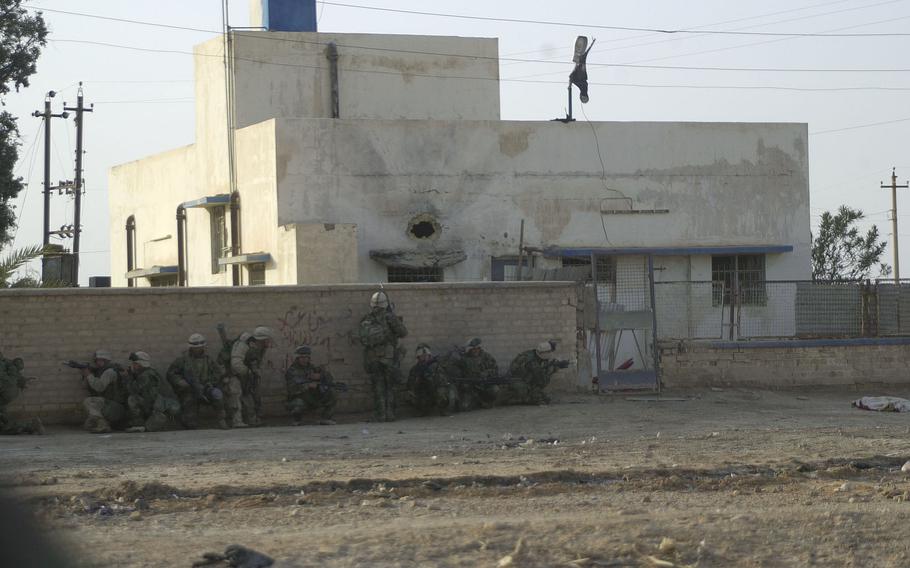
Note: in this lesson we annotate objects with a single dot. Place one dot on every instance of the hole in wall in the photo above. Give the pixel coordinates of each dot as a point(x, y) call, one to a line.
point(423, 227)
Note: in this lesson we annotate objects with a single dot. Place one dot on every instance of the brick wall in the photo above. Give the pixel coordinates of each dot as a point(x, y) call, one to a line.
point(45, 327)
point(786, 363)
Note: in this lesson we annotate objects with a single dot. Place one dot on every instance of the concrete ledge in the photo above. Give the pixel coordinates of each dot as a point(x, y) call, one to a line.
point(798, 343)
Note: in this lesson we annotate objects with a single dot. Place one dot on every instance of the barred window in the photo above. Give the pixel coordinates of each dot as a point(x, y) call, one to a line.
point(606, 266)
point(256, 274)
point(743, 275)
point(422, 274)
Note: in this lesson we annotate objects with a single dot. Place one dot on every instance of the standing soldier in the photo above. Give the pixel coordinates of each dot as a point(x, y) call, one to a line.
point(106, 403)
point(479, 366)
point(197, 378)
point(309, 388)
point(380, 331)
point(11, 384)
point(429, 386)
point(247, 354)
point(534, 368)
point(149, 411)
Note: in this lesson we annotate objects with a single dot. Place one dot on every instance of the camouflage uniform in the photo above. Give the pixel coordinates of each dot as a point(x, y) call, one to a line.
point(105, 406)
point(478, 365)
point(380, 331)
point(197, 379)
point(247, 354)
point(11, 384)
point(308, 390)
point(532, 375)
point(429, 388)
point(149, 409)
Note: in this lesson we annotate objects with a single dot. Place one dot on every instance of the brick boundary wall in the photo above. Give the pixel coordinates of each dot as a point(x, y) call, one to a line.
point(47, 326)
point(787, 363)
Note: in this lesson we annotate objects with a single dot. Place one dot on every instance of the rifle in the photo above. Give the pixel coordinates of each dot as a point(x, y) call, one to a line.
point(325, 385)
point(222, 334)
point(76, 364)
point(198, 390)
point(485, 382)
point(559, 363)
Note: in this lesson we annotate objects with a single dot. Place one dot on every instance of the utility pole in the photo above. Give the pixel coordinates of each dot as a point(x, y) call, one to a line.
point(47, 115)
point(77, 215)
point(894, 187)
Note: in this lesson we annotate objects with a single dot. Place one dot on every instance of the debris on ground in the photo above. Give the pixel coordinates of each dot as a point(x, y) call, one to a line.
point(882, 403)
point(235, 556)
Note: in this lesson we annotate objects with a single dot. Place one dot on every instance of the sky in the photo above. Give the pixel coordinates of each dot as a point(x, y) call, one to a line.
point(853, 92)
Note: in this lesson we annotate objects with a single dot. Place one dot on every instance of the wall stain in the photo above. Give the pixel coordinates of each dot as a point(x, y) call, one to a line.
point(514, 142)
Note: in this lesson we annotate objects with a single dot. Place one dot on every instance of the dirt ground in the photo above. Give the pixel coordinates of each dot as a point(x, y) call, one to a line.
point(720, 478)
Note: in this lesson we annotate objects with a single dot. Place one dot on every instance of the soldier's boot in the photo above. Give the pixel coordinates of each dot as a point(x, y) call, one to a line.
point(97, 425)
point(327, 422)
point(157, 422)
point(237, 419)
point(37, 427)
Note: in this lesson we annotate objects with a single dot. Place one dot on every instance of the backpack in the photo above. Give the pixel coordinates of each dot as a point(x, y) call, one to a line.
point(227, 345)
point(373, 332)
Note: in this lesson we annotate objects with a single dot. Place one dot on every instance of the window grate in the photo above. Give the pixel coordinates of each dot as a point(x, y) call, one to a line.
point(743, 275)
point(422, 274)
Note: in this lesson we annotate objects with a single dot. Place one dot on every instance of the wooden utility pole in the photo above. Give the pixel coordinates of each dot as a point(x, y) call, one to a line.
point(894, 187)
point(77, 190)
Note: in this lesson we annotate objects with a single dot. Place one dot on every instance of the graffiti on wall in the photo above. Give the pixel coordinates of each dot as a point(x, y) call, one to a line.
point(330, 335)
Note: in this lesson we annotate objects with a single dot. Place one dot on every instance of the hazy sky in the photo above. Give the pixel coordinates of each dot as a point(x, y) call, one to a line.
point(143, 99)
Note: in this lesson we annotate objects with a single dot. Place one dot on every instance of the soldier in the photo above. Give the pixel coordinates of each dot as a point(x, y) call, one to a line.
point(149, 410)
point(380, 331)
point(479, 366)
point(11, 384)
point(533, 369)
point(197, 378)
point(247, 354)
point(106, 404)
point(309, 388)
point(428, 385)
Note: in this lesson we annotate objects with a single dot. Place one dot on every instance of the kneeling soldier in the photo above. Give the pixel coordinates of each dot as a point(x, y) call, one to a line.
point(310, 387)
point(105, 406)
point(149, 410)
point(197, 378)
point(429, 386)
point(11, 384)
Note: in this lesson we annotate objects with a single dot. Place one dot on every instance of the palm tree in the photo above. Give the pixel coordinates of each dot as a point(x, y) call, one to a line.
point(14, 260)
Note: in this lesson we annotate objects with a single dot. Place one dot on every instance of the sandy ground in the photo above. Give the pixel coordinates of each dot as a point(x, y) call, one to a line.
point(721, 478)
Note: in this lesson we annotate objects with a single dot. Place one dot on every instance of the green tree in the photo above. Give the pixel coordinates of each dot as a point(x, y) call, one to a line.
point(15, 260)
point(22, 35)
point(841, 252)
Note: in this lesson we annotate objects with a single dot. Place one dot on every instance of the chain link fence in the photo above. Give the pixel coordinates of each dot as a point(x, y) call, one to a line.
point(782, 309)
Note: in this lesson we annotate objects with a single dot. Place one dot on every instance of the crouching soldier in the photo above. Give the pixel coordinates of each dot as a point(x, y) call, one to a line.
point(310, 387)
point(105, 406)
point(149, 410)
point(532, 370)
point(11, 384)
point(429, 389)
point(478, 366)
point(247, 353)
point(197, 379)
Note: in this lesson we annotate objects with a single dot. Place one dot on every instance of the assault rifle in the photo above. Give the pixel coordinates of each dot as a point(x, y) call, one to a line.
point(198, 389)
point(325, 385)
point(76, 364)
point(492, 381)
point(559, 363)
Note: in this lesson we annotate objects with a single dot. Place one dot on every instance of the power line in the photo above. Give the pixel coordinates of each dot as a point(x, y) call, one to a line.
point(122, 20)
point(491, 58)
point(615, 28)
point(859, 126)
point(527, 81)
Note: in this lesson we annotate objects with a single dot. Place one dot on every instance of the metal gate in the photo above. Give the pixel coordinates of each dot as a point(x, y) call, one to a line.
point(624, 333)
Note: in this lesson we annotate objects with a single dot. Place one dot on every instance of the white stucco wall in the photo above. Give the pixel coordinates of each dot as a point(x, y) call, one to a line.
point(724, 184)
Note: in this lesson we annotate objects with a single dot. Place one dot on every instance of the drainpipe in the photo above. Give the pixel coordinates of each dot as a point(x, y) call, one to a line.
point(181, 257)
point(235, 236)
point(130, 237)
point(331, 53)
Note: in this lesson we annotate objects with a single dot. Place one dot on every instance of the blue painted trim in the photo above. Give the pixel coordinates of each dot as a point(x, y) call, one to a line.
point(222, 199)
point(798, 343)
point(667, 251)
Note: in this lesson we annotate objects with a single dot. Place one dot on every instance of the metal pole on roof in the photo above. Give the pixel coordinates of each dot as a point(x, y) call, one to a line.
point(521, 249)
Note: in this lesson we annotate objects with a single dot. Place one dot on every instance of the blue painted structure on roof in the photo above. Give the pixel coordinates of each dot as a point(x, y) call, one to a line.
point(289, 15)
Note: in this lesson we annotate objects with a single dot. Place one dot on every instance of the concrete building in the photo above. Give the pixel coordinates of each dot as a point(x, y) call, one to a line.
point(341, 158)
